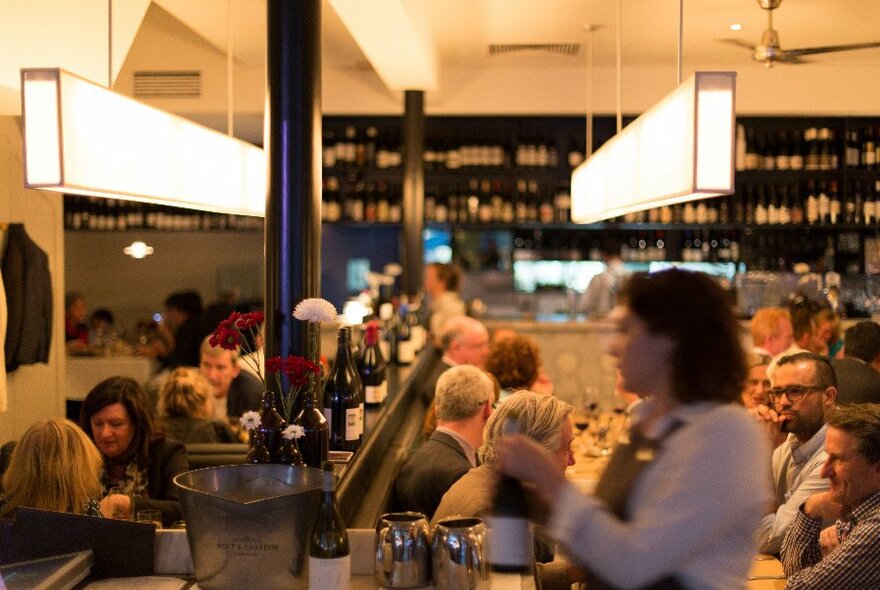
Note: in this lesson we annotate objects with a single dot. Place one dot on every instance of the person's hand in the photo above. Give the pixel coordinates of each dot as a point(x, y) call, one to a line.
point(771, 423)
point(520, 457)
point(828, 540)
point(116, 506)
point(823, 506)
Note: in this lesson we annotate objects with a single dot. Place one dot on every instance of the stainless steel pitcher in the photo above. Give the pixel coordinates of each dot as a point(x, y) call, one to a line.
point(403, 550)
point(458, 554)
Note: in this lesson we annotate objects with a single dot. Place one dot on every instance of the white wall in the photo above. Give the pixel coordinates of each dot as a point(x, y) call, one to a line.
point(34, 391)
point(135, 289)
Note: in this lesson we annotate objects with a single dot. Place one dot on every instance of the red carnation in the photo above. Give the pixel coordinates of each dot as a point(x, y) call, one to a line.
point(273, 365)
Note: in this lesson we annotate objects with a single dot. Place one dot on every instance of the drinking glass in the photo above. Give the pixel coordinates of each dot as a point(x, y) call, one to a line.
point(153, 517)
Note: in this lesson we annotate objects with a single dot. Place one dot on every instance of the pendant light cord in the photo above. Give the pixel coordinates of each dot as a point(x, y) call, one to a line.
point(589, 146)
point(109, 44)
point(680, 38)
point(230, 129)
point(619, 70)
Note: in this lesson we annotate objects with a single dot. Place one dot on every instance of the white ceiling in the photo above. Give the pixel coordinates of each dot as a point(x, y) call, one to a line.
point(470, 79)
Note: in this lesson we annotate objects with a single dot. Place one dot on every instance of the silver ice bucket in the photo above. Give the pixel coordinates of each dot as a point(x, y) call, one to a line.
point(250, 522)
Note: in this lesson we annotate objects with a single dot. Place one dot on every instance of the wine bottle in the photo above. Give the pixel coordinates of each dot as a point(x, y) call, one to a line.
point(406, 352)
point(344, 398)
point(315, 443)
point(510, 548)
point(372, 368)
point(271, 425)
point(258, 453)
point(329, 555)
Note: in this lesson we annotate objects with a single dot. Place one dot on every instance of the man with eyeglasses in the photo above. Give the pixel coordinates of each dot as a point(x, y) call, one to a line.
point(851, 557)
point(464, 399)
point(803, 391)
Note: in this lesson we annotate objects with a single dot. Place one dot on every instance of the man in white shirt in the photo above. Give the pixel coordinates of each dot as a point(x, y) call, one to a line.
point(803, 391)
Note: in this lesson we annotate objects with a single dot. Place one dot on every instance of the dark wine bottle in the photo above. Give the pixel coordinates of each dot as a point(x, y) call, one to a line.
point(372, 368)
point(315, 443)
point(344, 398)
point(271, 425)
point(329, 555)
point(510, 539)
point(258, 453)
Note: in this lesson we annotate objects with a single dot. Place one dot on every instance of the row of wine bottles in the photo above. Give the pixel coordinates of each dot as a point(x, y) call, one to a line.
point(97, 214)
point(353, 148)
point(814, 149)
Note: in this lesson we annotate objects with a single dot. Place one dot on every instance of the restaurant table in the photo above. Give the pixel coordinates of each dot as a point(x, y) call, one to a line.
point(766, 574)
point(82, 373)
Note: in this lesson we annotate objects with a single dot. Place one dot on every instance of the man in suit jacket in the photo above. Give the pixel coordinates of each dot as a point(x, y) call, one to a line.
point(858, 373)
point(464, 402)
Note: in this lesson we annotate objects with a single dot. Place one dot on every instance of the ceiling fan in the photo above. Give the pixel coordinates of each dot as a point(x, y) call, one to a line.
point(769, 51)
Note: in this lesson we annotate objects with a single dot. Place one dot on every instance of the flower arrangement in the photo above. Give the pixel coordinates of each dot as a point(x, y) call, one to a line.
point(298, 371)
point(240, 331)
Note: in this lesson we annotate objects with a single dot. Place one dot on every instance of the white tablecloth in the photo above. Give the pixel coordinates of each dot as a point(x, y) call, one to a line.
point(83, 373)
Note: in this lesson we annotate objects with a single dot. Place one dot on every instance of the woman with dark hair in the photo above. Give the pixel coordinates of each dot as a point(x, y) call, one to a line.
point(679, 503)
point(137, 456)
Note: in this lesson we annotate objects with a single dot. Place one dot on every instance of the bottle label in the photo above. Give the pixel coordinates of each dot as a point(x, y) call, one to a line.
point(375, 394)
point(328, 415)
point(405, 352)
point(330, 574)
point(353, 426)
point(509, 542)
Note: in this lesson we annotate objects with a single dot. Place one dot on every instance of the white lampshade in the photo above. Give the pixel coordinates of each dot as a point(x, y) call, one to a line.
point(81, 138)
point(682, 149)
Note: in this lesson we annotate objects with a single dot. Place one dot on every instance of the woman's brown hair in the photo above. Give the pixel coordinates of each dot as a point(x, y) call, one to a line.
point(691, 308)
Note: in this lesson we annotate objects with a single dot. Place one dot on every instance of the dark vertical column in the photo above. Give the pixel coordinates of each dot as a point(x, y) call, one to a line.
point(413, 189)
point(293, 144)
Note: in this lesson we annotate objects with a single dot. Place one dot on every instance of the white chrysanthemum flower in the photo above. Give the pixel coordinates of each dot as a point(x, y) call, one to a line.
point(293, 431)
point(315, 309)
point(250, 420)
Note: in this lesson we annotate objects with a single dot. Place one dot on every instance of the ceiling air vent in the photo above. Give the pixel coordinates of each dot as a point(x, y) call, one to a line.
point(570, 49)
point(168, 84)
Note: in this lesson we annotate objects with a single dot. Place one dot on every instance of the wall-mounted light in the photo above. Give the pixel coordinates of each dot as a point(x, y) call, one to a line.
point(81, 138)
point(138, 250)
point(679, 150)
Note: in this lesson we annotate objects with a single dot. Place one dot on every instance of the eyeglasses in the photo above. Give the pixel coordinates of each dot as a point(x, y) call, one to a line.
point(794, 393)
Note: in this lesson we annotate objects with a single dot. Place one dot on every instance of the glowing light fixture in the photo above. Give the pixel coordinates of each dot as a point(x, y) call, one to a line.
point(81, 138)
point(682, 149)
point(736, 27)
point(138, 250)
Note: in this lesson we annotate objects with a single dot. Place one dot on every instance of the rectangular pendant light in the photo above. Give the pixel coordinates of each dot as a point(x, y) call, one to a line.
point(80, 138)
point(682, 149)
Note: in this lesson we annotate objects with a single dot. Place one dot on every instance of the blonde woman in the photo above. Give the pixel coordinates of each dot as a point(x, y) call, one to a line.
point(53, 467)
point(186, 410)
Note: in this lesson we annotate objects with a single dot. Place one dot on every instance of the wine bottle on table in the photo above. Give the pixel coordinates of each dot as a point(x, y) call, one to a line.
point(511, 550)
point(315, 443)
point(344, 398)
point(372, 368)
point(329, 555)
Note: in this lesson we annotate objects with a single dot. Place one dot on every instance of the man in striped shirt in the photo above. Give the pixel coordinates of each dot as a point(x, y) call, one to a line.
point(848, 555)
